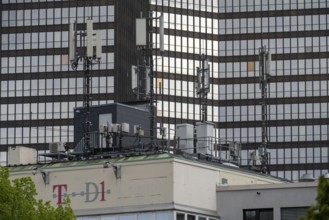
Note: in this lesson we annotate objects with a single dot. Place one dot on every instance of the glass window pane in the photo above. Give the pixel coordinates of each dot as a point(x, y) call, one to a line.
point(127, 217)
point(180, 216)
point(145, 216)
point(164, 216)
point(107, 218)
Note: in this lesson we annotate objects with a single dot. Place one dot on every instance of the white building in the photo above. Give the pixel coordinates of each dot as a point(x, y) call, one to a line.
point(265, 202)
point(146, 187)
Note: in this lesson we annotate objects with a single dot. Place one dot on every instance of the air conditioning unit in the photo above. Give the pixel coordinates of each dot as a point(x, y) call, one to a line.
point(56, 147)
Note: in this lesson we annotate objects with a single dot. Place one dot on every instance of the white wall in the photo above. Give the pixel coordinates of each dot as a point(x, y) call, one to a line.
point(96, 189)
point(232, 200)
point(169, 183)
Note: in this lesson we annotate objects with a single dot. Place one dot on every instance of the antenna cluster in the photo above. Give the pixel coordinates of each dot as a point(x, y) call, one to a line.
point(264, 76)
point(202, 84)
point(142, 75)
point(86, 40)
point(88, 56)
point(109, 130)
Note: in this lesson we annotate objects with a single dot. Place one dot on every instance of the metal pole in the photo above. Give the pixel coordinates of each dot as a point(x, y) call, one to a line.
point(203, 93)
point(263, 58)
point(87, 123)
point(151, 92)
point(152, 108)
point(202, 90)
point(88, 58)
point(202, 85)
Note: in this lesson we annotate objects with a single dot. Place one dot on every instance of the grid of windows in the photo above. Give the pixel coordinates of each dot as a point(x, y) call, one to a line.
point(47, 63)
point(52, 16)
point(158, 215)
point(27, 1)
point(258, 214)
point(291, 67)
point(34, 135)
point(54, 86)
point(38, 83)
point(294, 32)
point(42, 40)
point(38, 88)
point(228, 6)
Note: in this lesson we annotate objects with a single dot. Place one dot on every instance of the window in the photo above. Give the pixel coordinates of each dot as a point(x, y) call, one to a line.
point(145, 216)
point(190, 217)
point(293, 213)
point(164, 216)
point(258, 214)
point(180, 216)
point(127, 217)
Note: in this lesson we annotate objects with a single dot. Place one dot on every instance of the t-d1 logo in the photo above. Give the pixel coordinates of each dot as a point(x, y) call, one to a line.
point(91, 192)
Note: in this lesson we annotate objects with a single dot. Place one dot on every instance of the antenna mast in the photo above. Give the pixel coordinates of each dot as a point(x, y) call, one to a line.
point(88, 58)
point(144, 42)
point(202, 84)
point(264, 76)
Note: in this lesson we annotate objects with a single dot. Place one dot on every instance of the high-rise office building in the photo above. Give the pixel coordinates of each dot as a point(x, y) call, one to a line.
point(230, 34)
point(39, 90)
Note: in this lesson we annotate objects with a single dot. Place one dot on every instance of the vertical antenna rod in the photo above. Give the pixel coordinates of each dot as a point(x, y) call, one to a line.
point(151, 85)
point(144, 42)
point(264, 75)
point(202, 85)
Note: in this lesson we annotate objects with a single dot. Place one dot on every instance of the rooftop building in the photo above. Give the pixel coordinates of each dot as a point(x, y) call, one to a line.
point(148, 186)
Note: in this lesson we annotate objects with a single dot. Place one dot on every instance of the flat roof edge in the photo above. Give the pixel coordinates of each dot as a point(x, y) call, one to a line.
point(266, 186)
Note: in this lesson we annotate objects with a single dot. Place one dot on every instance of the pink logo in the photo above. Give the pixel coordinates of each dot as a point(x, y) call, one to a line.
point(90, 194)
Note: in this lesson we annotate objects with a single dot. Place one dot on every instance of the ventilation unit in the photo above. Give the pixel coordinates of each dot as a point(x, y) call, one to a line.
point(205, 137)
point(184, 134)
point(56, 147)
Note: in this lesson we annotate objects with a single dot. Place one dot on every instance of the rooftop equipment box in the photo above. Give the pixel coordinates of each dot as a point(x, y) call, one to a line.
point(205, 137)
point(21, 155)
point(184, 134)
point(118, 117)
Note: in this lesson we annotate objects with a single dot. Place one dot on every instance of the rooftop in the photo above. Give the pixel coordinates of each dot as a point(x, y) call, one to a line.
point(140, 158)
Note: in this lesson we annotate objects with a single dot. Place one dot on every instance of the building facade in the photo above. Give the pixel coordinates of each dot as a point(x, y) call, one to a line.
point(39, 90)
point(230, 34)
point(270, 201)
